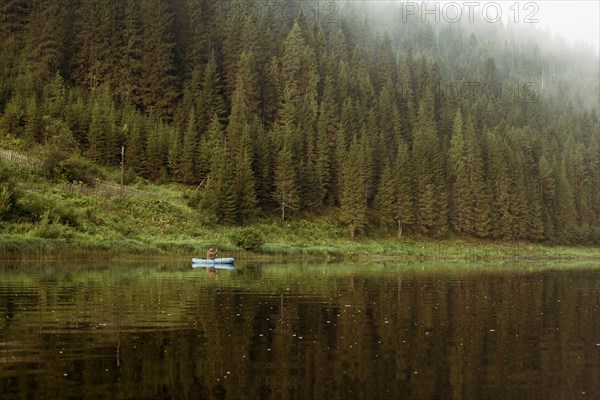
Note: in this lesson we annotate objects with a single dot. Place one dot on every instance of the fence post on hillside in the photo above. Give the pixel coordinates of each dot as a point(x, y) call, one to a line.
point(122, 166)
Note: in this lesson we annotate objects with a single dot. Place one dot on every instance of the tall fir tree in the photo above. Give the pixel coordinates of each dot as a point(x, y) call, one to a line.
point(354, 197)
point(212, 140)
point(384, 203)
point(135, 144)
point(499, 182)
point(244, 182)
point(468, 200)
point(404, 214)
point(286, 189)
point(219, 199)
point(210, 100)
point(430, 193)
point(189, 150)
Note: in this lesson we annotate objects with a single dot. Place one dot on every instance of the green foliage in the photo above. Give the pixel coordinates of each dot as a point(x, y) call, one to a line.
point(286, 189)
point(219, 196)
point(5, 201)
point(246, 202)
point(157, 90)
point(384, 202)
point(405, 206)
point(60, 167)
point(263, 125)
point(7, 185)
point(354, 201)
point(430, 195)
point(250, 239)
point(467, 188)
point(32, 207)
point(81, 170)
point(50, 229)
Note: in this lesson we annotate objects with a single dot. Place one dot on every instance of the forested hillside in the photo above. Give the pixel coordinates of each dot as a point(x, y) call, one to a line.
point(475, 129)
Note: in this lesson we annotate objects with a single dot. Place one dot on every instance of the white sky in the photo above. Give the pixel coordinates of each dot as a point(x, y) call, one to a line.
point(573, 20)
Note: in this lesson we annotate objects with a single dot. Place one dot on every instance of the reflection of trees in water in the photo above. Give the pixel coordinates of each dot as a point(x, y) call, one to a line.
point(525, 335)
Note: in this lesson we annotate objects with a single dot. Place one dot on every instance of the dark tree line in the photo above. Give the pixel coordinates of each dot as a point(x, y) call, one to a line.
point(417, 129)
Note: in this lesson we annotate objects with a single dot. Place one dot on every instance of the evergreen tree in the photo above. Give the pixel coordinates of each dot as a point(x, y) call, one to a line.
point(405, 207)
point(384, 203)
point(78, 118)
point(519, 207)
point(564, 207)
point(293, 63)
point(286, 190)
point(405, 87)
point(104, 139)
point(479, 218)
point(175, 155)
point(339, 46)
point(354, 199)
point(327, 165)
point(156, 151)
point(210, 99)
point(219, 199)
point(213, 139)
point(535, 224)
point(272, 89)
point(323, 157)
point(55, 97)
point(546, 179)
point(33, 122)
point(430, 194)
point(189, 150)
point(99, 131)
point(385, 63)
point(246, 201)
point(499, 187)
point(457, 168)
point(135, 145)
point(264, 160)
point(244, 104)
point(468, 200)
point(389, 119)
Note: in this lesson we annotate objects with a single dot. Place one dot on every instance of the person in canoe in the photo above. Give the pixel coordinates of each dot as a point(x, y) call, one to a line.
point(211, 254)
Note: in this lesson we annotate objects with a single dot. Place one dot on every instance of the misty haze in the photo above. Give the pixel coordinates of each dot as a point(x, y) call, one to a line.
point(206, 199)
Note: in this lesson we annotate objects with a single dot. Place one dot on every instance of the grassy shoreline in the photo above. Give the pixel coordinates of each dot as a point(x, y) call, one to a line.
point(23, 246)
point(50, 220)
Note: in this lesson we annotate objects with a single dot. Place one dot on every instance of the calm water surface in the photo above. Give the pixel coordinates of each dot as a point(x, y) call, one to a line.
point(340, 331)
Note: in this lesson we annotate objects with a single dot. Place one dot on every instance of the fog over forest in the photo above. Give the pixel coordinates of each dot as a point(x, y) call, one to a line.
point(361, 110)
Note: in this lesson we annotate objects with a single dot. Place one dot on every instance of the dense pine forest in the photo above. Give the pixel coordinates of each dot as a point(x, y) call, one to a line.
point(417, 129)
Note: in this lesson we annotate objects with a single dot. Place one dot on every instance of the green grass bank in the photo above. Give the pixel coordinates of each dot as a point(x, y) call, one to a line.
point(48, 219)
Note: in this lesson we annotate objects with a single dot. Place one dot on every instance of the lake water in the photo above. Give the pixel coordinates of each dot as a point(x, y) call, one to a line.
point(338, 331)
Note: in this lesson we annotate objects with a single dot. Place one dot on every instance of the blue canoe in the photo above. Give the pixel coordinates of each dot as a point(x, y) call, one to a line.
point(213, 265)
point(213, 262)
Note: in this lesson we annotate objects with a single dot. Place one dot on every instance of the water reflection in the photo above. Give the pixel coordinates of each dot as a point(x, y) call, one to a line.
point(300, 332)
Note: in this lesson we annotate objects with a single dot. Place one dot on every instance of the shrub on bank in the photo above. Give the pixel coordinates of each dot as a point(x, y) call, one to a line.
point(250, 239)
point(58, 167)
point(34, 206)
point(51, 228)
